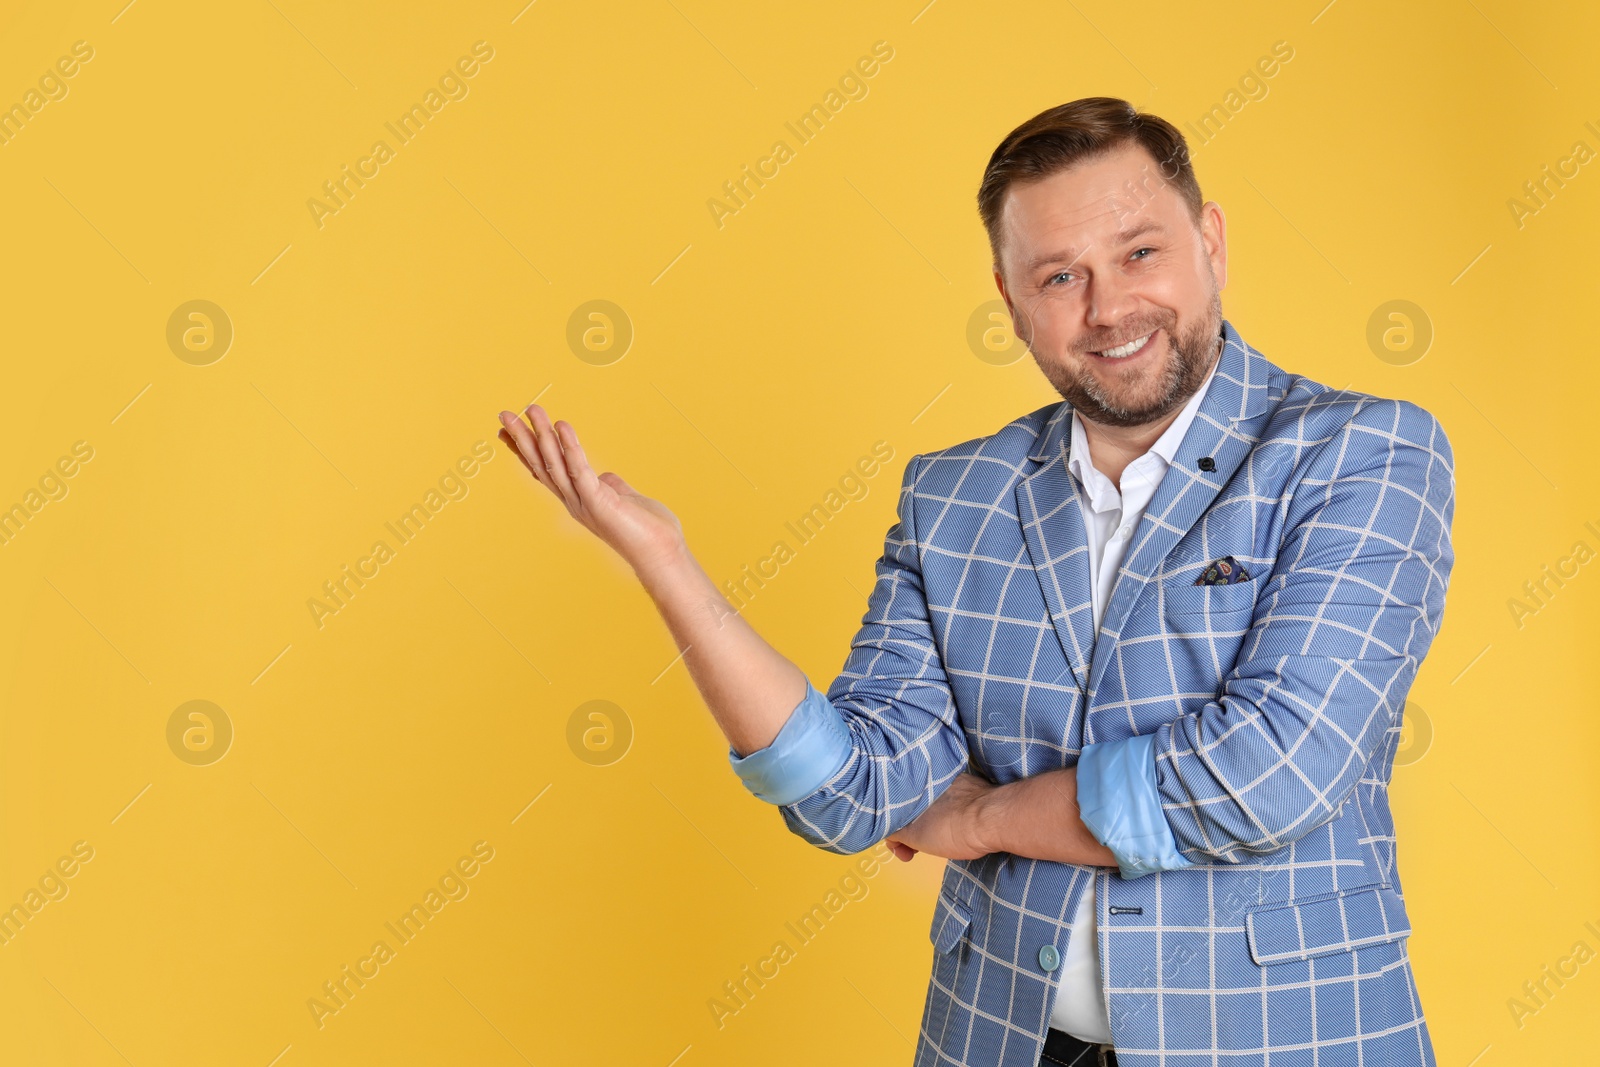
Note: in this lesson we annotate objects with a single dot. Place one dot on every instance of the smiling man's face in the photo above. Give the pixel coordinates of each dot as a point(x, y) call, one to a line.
point(1104, 254)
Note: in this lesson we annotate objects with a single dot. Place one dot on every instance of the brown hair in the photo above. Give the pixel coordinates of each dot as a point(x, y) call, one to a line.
point(1073, 132)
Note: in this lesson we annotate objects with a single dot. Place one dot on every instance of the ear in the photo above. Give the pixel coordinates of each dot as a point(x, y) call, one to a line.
point(1214, 235)
point(1016, 325)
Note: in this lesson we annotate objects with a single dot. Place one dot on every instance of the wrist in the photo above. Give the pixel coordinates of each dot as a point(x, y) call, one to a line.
point(666, 569)
point(990, 816)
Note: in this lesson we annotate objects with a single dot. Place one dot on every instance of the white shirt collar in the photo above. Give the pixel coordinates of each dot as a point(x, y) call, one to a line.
point(1102, 493)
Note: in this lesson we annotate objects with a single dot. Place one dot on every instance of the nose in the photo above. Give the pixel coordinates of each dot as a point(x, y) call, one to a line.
point(1110, 300)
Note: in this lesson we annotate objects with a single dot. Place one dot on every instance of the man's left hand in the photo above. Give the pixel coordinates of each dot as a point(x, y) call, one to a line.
point(951, 826)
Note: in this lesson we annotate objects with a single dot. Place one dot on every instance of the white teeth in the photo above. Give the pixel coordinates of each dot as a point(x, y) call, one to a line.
point(1128, 349)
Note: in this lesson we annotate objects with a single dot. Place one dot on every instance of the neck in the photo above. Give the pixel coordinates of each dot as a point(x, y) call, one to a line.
point(1112, 448)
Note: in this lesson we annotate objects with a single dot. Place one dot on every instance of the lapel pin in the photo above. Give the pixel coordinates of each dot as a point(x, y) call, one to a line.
point(1207, 463)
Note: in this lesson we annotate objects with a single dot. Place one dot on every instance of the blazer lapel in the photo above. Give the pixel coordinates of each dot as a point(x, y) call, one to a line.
point(1226, 426)
point(1058, 542)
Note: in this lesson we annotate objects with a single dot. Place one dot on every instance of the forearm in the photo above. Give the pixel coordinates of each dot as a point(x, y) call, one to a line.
point(750, 687)
point(1037, 818)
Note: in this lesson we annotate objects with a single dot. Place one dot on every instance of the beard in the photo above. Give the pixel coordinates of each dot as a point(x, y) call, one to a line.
point(1189, 358)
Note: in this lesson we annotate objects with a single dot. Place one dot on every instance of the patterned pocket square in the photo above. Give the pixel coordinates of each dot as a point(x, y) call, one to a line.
point(1225, 571)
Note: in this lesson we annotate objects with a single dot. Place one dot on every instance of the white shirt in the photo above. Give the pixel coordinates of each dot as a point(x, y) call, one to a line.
point(1110, 517)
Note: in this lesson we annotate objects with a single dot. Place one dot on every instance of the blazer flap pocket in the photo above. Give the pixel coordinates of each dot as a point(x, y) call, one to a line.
point(1325, 924)
point(950, 921)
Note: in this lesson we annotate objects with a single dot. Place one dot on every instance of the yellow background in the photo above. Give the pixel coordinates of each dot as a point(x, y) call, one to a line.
point(769, 355)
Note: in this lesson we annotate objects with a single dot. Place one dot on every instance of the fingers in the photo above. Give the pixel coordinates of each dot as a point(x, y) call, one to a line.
point(551, 453)
point(555, 461)
point(516, 450)
point(526, 447)
point(534, 446)
point(583, 476)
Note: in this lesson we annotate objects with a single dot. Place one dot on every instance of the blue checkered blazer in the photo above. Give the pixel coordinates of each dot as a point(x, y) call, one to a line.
point(1273, 708)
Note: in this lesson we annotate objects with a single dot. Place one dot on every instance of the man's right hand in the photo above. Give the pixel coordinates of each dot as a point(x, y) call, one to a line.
point(641, 530)
point(750, 688)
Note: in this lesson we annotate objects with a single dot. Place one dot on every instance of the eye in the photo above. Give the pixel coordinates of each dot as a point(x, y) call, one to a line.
point(1146, 249)
point(1053, 278)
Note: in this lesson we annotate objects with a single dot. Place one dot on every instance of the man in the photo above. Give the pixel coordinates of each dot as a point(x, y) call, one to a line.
point(1135, 663)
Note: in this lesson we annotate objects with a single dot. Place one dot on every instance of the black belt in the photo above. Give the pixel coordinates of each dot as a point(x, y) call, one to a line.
point(1061, 1049)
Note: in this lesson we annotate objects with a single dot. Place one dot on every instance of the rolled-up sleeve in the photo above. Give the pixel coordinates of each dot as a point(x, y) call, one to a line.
point(1313, 706)
point(890, 713)
point(1119, 803)
point(808, 752)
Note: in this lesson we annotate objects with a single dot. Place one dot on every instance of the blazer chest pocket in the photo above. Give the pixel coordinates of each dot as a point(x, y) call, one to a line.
point(951, 919)
point(1181, 600)
point(1325, 924)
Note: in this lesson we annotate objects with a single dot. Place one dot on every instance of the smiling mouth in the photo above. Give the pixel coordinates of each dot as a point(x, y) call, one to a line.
point(1132, 348)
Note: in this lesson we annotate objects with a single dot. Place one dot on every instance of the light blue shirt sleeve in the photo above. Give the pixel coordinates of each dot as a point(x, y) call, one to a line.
point(1118, 802)
point(812, 747)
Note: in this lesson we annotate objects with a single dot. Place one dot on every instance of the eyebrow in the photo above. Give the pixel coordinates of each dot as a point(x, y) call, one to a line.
point(1138, 229)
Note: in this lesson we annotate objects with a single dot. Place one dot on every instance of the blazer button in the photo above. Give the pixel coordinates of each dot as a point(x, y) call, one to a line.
point(1049, 958)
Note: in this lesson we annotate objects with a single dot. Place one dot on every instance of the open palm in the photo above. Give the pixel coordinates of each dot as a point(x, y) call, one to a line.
point(641, 530)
